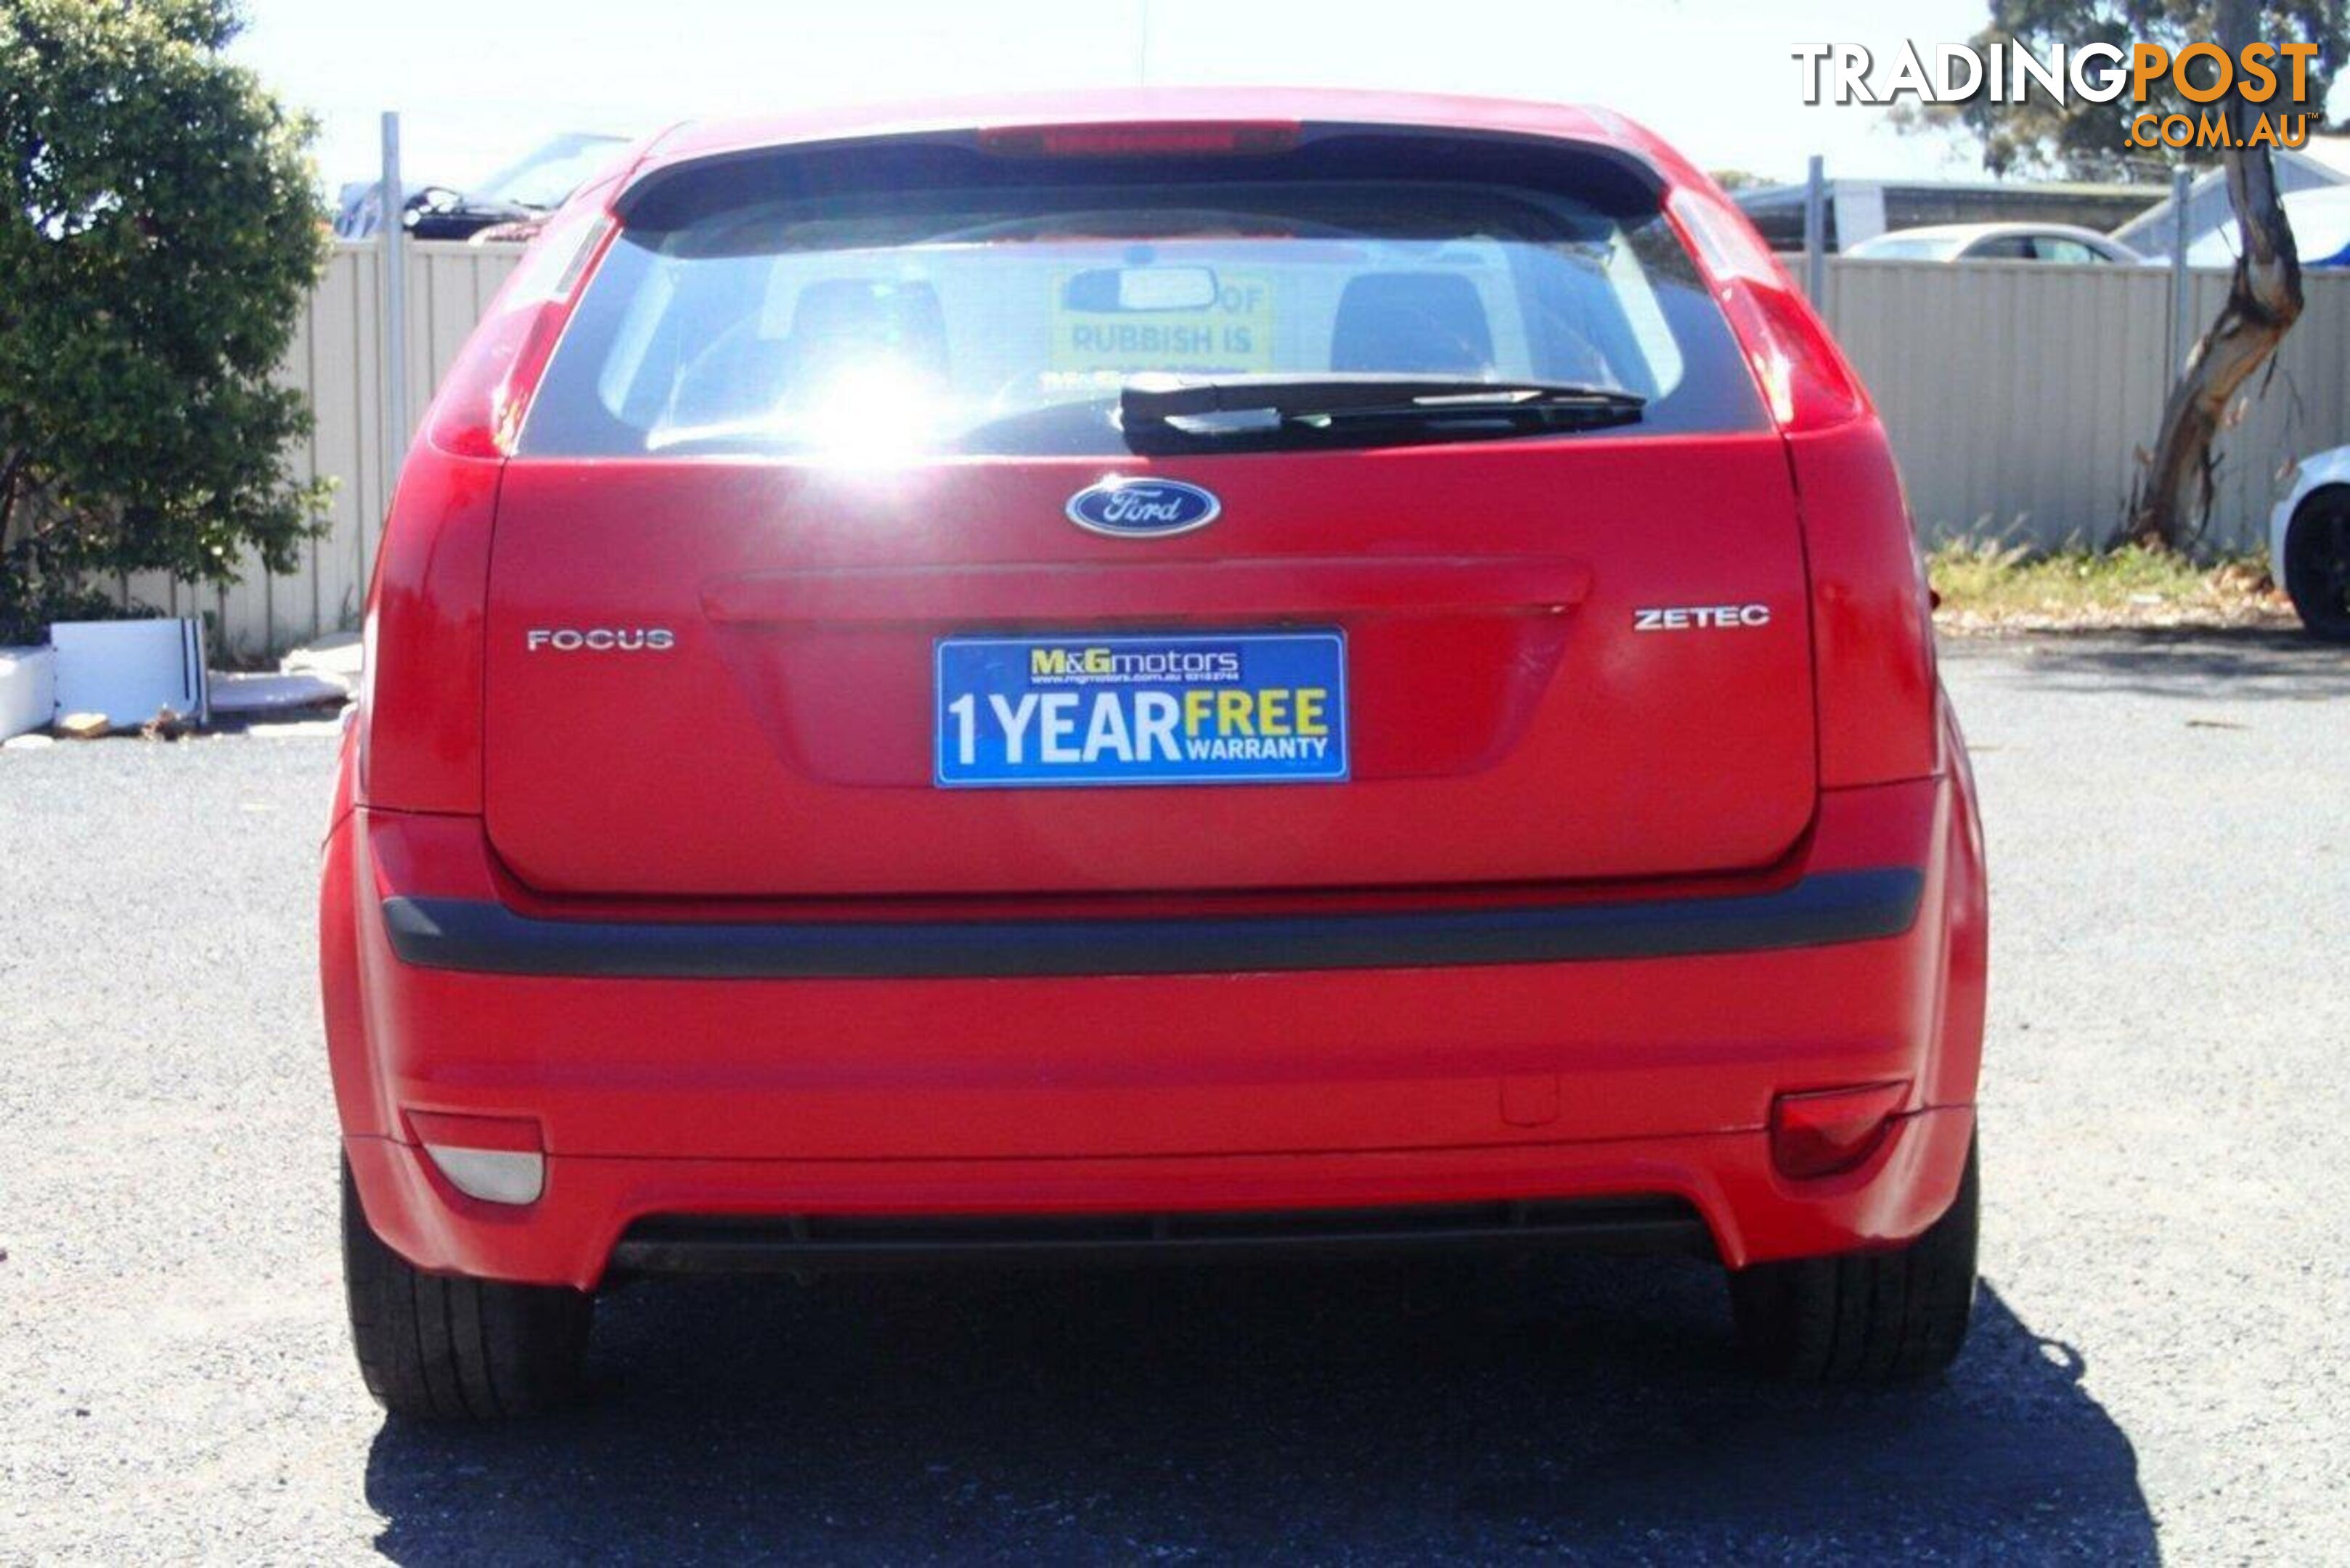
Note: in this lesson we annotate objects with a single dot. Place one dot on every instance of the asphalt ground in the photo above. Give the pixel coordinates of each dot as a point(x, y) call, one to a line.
point(2158, 1366)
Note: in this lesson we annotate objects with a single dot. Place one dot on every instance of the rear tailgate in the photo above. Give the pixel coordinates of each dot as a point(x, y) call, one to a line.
point(1507, 717)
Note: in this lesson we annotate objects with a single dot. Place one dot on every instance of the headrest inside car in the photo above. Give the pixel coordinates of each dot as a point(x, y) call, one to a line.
point(837, 319)
point(1414, 322)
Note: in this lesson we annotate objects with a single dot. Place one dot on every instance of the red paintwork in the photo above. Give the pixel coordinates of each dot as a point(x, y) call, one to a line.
point(1513, 725)
point(776, 762)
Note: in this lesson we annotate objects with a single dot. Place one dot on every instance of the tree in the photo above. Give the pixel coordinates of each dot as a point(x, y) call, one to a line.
point(2263, 302)
point(158, 235)
point(2089, 140)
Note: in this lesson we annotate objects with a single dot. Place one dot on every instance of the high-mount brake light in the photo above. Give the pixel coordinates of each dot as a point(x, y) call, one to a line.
point(1196, 139)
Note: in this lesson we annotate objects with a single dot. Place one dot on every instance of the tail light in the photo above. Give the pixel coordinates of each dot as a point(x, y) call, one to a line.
point(480, 409)
point(420, 749)
point(1871, 624)
point(1802, 374)
point(420, 735)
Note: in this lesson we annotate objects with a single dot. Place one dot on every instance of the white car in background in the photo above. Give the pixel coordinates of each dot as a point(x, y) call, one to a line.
point(2321, 231)
point(2061, 243)
point(2309, 543)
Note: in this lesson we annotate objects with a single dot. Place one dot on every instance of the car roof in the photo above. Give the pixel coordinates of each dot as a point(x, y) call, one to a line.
point(697, 139)
point(1988, 231)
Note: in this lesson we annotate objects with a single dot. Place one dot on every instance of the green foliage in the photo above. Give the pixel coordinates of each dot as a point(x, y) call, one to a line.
point(2041, 137)
point(1986, 586)
point(159, 237)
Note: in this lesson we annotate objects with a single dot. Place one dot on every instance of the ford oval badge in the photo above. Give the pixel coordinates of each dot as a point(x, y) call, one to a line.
point(1142, 508)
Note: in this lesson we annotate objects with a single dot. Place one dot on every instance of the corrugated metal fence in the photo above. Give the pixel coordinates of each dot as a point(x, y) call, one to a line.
point(2018, 395)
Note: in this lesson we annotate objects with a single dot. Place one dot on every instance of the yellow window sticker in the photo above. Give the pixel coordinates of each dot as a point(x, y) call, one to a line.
point(1232, 336)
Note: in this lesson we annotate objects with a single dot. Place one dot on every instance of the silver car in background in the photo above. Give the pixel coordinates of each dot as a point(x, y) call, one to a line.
point(2059, 243)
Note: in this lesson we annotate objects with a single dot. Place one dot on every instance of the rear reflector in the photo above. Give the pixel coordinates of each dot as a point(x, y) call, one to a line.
point(493, 1178)
point(497, 1160)
point(1212, 138)
point(1830, 1130)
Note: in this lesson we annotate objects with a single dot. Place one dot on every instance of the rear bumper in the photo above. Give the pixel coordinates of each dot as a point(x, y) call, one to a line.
point(1634, 1057)
point(581, 1231)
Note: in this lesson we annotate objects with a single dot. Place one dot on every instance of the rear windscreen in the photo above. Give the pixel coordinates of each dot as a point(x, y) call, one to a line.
point(953, 302)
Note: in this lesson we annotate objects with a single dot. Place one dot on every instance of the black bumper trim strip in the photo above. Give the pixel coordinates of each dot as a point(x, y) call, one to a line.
point(486, 937)
point(691, 1244)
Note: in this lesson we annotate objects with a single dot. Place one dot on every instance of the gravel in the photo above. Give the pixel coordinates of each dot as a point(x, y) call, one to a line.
point(2156, 1367)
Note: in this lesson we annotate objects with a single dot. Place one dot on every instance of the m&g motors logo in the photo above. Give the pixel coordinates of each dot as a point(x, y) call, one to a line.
point(1113, 666)
point(2201, 74)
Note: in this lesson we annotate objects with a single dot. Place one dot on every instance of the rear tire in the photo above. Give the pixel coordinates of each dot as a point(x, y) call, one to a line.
point(2316, 564)
point(443, 1348)
point(1865, 1317)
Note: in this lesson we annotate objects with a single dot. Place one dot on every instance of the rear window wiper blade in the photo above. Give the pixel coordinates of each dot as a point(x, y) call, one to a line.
point(1300, 410)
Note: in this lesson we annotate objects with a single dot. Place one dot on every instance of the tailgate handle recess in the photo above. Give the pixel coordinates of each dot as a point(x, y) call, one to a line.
point(1414, 585)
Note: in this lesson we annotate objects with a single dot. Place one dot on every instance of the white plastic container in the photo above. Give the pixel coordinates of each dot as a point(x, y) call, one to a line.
point(29, 690)
point(130, 670)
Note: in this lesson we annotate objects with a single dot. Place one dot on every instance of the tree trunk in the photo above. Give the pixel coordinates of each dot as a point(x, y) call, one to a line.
point(2173, 495)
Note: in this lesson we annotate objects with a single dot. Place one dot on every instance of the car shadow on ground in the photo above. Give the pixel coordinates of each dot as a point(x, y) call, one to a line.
point(2257, 663)
point(1373, 1412)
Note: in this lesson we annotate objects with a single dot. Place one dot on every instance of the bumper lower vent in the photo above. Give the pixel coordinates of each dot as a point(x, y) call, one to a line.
point(697, 1244)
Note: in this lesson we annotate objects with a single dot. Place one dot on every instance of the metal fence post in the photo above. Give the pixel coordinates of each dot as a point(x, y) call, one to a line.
point(1816, 232)
point(391, 202)
point(2182, 296)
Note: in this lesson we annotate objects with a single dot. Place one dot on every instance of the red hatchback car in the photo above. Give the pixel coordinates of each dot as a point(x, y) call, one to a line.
point(1188, 674)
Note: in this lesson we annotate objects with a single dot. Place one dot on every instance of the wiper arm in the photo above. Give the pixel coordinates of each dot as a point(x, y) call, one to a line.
point(1304, 409)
